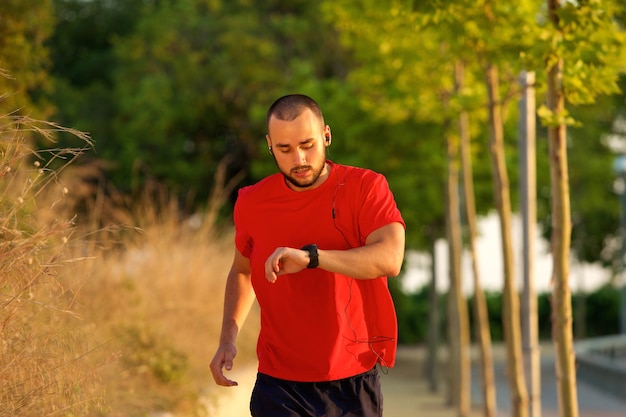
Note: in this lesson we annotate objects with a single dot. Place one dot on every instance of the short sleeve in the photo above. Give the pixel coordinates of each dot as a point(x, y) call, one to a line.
point(378, 206)
point(243, 239)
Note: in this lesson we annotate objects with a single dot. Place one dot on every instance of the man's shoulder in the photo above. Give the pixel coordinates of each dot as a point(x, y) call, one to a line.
point(352, 169)
point(358, 174)
point(264, 186)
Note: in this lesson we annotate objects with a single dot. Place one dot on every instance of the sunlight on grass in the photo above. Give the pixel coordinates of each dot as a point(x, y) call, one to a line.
point(108, 309)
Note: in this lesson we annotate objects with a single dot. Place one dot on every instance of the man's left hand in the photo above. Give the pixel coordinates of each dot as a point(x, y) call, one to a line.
point(285, 261)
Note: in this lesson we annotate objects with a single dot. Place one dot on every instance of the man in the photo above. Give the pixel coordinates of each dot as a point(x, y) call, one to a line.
point(315, 244)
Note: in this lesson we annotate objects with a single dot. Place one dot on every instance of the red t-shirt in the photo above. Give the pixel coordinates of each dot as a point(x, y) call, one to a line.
point(317, 325)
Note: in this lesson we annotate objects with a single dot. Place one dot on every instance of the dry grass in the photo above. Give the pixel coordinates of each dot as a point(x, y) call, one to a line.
point(112, 311)
point(43, 366)
point(155, 301)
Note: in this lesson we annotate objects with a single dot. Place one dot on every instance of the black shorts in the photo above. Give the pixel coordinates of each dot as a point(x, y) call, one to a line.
point(357, 396)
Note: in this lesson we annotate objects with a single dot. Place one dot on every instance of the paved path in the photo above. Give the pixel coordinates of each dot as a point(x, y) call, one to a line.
point(591, 401)
point(407, 393)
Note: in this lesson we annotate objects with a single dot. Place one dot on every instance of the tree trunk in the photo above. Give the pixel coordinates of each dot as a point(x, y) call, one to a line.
point(432, 361)
point(481, 318)
point(510, 313)
point(457, 307)
point(530, 332)
point(561, 236)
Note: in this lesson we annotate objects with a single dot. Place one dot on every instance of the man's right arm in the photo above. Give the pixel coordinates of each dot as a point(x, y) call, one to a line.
point(238, 299)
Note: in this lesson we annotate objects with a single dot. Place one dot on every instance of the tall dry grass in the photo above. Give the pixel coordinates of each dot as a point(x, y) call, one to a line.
point(44, 369)
point(106, 308)
point(153, 295)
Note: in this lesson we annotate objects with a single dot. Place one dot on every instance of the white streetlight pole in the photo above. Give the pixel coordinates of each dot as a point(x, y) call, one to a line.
point(619, 166)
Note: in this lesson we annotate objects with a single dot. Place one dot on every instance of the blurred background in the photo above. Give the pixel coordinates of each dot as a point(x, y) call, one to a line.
point(129, 125)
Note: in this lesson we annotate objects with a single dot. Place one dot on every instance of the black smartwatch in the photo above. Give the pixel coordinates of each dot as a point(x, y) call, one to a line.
point(313, 255)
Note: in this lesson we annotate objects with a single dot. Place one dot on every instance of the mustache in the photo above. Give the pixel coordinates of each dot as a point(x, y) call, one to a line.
point(300, 168)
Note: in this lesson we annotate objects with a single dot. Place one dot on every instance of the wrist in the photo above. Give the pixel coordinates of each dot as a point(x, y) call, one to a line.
point(313, 255)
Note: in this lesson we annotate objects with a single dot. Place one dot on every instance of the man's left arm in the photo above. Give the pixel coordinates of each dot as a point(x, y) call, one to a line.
point(382, 255)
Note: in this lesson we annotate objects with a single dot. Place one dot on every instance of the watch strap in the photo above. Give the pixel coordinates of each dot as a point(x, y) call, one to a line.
point(313, 255)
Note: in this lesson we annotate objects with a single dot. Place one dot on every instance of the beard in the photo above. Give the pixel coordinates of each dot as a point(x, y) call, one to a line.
point(303, 183)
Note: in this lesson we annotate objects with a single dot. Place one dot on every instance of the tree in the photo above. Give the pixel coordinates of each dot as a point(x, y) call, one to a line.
point(458, 325)
point(170, 88)
point(83, 64)
point(26, 24)
point(590, 121)
point(512, 328)
point(493, 56)
point(481, 321)
point(580, 63)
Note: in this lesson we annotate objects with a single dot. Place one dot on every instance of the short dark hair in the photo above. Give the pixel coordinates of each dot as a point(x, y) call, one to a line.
point(291, 106)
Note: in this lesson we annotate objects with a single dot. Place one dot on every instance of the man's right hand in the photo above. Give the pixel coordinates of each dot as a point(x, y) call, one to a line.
point(223, 359)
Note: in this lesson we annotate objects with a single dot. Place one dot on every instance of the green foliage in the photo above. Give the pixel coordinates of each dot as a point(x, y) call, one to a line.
point(494, 312)
point(26, 24)
point(195, 78)
point(170, 124)
point(168, 88)
point(396, 41)
point(549, 118)
point(184, 74)
point(594, 202)
point(84, 33)
point(405, 73)
point(602, 308)
point(592, 45)
point(83, 62)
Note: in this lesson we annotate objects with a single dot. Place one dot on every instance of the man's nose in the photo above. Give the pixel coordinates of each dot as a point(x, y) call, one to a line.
point(299, 157)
